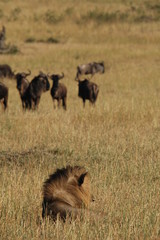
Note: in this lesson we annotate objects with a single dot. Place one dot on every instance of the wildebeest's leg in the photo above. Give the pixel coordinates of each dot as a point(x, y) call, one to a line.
point(2, 103)
point(64, 103)
point(54, 104)
point(37, 102)
point(84, 102)
point(23, 105)
point(77, 76)
point(92, 102)
point(5, 101)
point(27, 105)
point(59, 102)
point(32, 104)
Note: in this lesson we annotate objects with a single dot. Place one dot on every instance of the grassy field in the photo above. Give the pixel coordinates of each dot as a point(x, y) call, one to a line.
point(117, 140)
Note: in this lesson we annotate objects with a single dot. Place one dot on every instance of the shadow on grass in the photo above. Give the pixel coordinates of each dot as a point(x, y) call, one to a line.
point(21, 158)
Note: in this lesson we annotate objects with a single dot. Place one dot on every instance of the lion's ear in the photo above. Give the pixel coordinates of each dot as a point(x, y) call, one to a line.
point(81, 178)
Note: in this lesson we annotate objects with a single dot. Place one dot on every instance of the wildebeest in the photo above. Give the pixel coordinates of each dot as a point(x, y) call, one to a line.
point(22, 86)
point(65, 192)
point(4, 95)
point(6, 71)
point(87, 90)
point(37, 86)
point(59, 90)
point(90, 68)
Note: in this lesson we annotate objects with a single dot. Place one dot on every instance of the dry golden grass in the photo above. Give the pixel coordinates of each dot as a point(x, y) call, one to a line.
point(117, 141)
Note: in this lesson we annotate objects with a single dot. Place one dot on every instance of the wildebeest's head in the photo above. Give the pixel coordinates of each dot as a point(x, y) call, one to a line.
point(102, 64)
point(42, 77)
point(99, 67)
point(21, 80)
point(56, 77)
point(6, 71)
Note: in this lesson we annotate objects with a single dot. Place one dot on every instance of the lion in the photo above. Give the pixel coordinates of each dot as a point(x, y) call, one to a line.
point(66, 193)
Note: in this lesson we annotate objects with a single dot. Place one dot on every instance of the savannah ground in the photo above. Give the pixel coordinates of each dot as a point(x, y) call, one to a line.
point(117, 140)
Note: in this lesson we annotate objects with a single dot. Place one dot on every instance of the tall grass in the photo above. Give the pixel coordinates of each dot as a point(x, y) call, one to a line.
point(117, 140)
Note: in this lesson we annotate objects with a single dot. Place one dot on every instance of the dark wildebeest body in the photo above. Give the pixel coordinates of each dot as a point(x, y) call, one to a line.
point(90, 68)
point(4, 95)
point(36, 87)
point(22, 86)
point(59, 90)
point(66, 192)
point(88, 91)
point(6, 71)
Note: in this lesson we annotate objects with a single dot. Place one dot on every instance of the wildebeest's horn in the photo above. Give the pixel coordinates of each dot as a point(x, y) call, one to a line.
point(29, 73)
point(41, 73)
point(61, 76)
point(77, 78)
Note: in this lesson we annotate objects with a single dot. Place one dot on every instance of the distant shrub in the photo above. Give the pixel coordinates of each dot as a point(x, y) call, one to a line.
point(155, 7)
point(13, 50)
point(51, 17)
point(103, 17)
point(52, 40)
point(100, 16)
point(48, 40)
point(69, 11)
point(15, 14)
point(143, 18)
point(133, 14)
point(30, 40)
